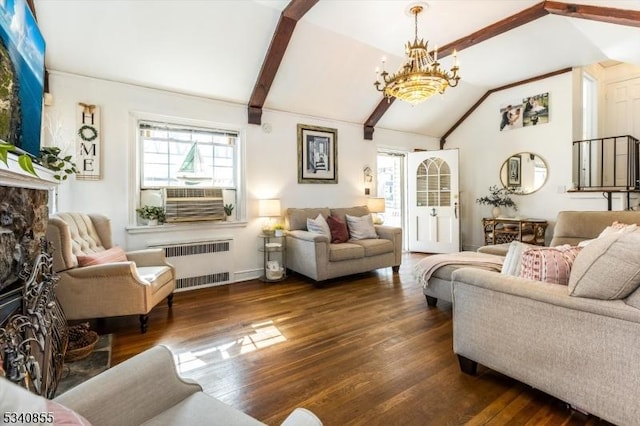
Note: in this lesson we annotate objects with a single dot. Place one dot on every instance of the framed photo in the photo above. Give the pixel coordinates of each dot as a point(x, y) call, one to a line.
point(317, 154)
point(514, 170)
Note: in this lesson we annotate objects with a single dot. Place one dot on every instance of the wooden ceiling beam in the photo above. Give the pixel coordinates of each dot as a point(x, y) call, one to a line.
point(443, 139)
point(610, 15)
point(281, 37)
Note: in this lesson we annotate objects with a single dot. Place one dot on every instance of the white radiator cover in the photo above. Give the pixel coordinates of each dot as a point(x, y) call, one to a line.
point(200, 263)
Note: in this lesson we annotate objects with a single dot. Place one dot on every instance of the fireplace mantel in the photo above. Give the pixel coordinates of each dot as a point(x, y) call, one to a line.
point(13, 175)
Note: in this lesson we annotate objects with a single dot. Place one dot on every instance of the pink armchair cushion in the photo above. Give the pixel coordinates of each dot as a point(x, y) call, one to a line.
point(114, 254)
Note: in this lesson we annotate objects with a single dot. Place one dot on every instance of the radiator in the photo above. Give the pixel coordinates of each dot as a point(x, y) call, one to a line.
point(200, 263)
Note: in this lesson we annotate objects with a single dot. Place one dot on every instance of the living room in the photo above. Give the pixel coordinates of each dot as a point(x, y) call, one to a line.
point(84, 54)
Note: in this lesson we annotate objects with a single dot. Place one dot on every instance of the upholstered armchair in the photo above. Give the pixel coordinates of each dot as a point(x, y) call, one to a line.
point(98, 279)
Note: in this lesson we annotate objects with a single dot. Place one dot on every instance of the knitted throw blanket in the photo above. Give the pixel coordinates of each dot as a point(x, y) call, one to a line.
point(427, 266)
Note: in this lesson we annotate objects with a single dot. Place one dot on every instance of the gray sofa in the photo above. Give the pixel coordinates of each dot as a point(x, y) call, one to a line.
point(314, 256)
point(583, 351)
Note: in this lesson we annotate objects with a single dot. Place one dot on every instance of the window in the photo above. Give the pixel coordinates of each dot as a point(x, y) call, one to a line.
point(185, 161)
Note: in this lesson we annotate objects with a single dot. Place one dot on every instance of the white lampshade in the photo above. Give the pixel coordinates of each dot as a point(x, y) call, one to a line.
point(269, 208)
point(376, 205)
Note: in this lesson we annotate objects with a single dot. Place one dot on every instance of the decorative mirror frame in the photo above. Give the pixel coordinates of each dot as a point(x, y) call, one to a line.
point(513, 175)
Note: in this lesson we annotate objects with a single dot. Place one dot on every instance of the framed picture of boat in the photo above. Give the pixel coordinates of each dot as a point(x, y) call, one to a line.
point(317, 154)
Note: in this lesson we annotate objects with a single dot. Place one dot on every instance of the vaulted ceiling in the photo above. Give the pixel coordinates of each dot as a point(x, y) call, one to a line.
point(216, 49)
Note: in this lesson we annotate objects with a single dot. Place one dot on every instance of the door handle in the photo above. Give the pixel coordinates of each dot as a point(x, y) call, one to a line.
point(455, 210)
point(433, 212)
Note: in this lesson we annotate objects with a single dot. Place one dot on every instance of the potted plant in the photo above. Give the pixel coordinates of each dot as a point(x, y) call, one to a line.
point(498, 197)
point(279, 229)
point(152, 214)
point(61, 166)
point(228, 210)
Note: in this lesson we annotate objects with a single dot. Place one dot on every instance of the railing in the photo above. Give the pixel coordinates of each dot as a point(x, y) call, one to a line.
point(607, 164)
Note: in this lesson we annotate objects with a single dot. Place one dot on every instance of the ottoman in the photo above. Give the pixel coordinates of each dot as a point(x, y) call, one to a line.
point(434, 272)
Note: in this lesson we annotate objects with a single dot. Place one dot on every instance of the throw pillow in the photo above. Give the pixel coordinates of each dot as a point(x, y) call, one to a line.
point(608, 268)
point(513, 258)
point(319, 226)
point(361, 228)
point(114, 254)
point(339, 231)
point(65, 416)
point(549, 264)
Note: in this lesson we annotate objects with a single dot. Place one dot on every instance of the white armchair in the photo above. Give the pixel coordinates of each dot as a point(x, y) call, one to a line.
point(102, 290)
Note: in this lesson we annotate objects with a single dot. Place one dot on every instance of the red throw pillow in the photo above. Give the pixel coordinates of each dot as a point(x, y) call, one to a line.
point(114, 254)
point(339, 231)
point(549, 264)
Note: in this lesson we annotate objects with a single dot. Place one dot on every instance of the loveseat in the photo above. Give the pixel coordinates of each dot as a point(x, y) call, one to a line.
point(582, 350)
point(144, 390)
point(315, 256)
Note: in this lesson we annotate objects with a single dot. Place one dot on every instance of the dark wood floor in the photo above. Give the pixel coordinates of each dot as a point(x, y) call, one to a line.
point(363, 350)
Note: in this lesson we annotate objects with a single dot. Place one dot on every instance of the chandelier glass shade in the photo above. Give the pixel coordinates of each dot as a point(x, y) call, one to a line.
point(421, 75)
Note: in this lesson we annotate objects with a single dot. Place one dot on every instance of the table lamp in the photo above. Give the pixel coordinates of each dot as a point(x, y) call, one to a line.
point(376, 205)
point(269, 209)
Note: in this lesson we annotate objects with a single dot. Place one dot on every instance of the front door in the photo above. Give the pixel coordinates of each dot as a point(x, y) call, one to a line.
point(434, 219)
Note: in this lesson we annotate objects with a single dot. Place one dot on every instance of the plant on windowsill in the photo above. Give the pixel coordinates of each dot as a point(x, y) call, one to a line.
point(228, 211)
point(498, 197)
point(152, 214)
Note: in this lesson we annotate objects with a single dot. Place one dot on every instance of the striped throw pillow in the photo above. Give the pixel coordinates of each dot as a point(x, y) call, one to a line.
point(114, 254)
point(549, 264)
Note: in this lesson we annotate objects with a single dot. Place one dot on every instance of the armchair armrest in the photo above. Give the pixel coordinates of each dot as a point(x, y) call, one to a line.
point(131, 392)
point(148, 257)
point(127, 269)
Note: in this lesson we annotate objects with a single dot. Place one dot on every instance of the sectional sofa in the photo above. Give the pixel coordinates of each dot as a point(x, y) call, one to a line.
point(582, 350)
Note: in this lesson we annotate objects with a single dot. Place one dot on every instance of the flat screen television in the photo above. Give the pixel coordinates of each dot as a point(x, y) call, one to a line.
point(21, 76)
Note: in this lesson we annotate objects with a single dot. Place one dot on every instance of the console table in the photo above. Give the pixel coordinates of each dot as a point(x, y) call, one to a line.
point(499, 230)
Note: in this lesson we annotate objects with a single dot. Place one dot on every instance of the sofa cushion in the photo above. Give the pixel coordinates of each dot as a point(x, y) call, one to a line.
point(513, 259)
point(319, 226)
point(341, 213)
point(345, 251)
point(339, 231)
point(65, 416)
point(374, 247)
point(361, 227)
point(608, 268)
point(297, 218)
point(114, 254)
point(548, 264)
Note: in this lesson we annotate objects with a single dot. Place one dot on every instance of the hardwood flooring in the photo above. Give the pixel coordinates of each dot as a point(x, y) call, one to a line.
point(362, 350)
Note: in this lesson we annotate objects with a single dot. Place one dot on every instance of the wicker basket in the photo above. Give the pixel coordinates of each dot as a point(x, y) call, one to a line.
point(89, 340)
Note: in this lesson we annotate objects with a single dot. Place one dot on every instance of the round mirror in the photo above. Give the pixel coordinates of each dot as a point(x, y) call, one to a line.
point(523, 173)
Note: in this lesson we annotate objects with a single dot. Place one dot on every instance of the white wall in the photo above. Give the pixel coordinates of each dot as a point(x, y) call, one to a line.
point(271, 160)
point(483, 149)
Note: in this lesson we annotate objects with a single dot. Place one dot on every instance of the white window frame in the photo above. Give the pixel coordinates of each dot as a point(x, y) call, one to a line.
point(135, 154)
point(589, 106)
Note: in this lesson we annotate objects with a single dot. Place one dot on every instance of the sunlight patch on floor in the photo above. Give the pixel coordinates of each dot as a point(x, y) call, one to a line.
point(265, 334)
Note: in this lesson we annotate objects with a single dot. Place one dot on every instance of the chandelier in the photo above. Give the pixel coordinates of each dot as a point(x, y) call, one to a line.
point(421, 76)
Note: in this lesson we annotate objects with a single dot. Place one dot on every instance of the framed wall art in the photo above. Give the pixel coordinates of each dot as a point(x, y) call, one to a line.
point(529, 111)
point(514, 171)
point(317, 154)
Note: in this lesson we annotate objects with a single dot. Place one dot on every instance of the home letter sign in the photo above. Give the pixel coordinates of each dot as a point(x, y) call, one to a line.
point(88, 158)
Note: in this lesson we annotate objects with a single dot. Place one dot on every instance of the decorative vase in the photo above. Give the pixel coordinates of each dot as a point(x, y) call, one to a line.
point(496, 211)
point(152, 222)
point(279, 232)
point(229, 218)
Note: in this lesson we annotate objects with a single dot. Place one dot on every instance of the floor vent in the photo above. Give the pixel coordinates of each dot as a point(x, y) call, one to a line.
point(200, 263)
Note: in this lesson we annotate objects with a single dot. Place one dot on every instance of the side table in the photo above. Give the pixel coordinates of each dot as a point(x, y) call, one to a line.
point(274, 249)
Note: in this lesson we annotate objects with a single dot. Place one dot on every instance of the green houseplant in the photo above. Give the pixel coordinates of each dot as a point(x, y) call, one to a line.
point(62, 167)
point(498, 197)
point(228, 211)
point(153, 214)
